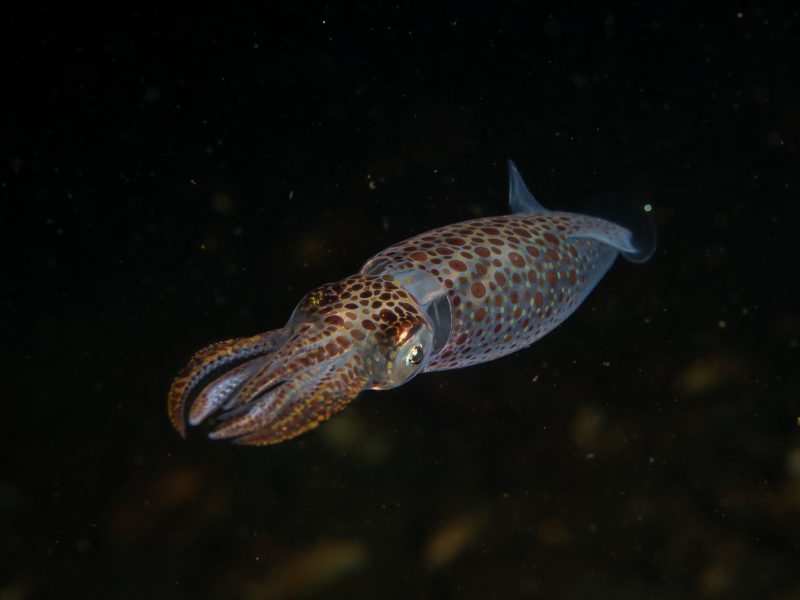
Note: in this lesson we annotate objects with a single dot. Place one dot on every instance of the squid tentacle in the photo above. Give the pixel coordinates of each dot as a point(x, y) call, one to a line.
point(208, 360)
point(271, 405)
point(296, 357)
point(331, 394)
point(222, 392)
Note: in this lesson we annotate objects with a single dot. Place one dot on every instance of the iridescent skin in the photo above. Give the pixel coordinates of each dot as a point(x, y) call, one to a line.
point(456, 296)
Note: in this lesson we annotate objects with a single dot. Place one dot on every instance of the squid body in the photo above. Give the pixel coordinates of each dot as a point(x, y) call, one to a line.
point(455, 296)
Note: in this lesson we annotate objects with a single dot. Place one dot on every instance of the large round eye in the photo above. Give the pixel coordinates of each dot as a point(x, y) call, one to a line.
point(415, 355)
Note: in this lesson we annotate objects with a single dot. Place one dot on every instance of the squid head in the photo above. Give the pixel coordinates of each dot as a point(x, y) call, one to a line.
point(364, 332)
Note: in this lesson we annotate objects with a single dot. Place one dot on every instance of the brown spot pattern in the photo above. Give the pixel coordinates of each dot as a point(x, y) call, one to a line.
point(522, 273)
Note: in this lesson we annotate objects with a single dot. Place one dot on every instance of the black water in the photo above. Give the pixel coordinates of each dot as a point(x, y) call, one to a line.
point(176, 176)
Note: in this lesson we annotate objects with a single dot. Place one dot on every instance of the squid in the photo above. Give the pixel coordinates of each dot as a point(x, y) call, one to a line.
point(456, 296)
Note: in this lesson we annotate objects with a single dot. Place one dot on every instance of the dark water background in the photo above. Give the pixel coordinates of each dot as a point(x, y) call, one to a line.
point(175, 176)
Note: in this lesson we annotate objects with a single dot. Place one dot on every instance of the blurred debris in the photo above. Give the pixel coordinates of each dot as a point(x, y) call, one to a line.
point(17, 590)
point(785, 503)
point(552, 532)
point(179, 505)
point(350, 433)
point(587, 426)
point(310, 569)
point(222, 203)
point(452, 538)
point(714, 579)
point(723, 569)
point(710, 374)
point(793, 462)
point(312, 249)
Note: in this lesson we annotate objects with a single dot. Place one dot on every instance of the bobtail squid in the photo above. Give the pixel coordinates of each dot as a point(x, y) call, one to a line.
point(455, 296)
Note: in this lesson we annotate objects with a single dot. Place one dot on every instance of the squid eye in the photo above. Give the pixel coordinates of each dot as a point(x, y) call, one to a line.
point(415, 355)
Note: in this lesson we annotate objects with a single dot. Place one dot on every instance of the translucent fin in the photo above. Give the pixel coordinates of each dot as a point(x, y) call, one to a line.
point(626, 226)
point(520, 200)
